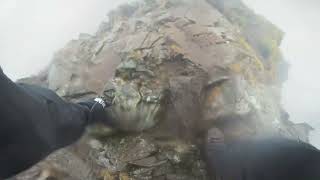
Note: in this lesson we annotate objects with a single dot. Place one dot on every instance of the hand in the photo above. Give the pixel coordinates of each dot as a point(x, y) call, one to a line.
point(97, 111)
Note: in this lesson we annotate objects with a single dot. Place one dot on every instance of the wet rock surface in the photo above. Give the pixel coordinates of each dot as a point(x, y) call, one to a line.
point(174, 69)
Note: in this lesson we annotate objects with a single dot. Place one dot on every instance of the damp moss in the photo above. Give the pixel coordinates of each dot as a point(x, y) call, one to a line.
point(176, 49)
point(255, 59)
point(135, 55)
point(261, 34)
point(245, 71)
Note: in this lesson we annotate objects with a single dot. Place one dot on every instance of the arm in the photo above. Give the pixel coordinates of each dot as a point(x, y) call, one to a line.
point(36, 122)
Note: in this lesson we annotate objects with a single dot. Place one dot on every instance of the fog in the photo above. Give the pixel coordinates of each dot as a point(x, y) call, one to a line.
point(31, 31)
point(299, 19)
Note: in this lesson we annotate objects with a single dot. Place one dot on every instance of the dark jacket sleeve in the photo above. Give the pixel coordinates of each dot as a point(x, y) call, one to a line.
point(33, 123)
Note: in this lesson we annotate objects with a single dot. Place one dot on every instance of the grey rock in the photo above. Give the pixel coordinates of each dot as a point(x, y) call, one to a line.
point(173, 69)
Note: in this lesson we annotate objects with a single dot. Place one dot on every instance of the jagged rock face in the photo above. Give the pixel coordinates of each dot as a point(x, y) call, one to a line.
point(174, 69)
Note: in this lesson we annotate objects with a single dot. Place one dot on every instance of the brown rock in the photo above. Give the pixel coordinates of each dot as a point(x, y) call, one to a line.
point(175, 69)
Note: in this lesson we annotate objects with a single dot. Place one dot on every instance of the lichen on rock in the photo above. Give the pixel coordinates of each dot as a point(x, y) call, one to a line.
point(173, 70)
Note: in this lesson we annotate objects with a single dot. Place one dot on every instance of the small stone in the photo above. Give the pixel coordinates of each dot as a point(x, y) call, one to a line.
point(95, 144)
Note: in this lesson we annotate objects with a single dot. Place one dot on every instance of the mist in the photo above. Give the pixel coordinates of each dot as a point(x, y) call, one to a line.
point(31, 31)
point(300, 22)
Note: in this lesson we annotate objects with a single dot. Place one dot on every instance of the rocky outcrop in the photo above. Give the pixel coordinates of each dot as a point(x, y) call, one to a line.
point(175, 69)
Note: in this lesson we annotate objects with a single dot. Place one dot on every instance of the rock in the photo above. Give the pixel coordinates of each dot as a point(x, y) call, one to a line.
point(95, 144)
point(173, 70)
point(303, 130)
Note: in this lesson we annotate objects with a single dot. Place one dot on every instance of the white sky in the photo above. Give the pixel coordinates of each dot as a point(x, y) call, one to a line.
point(32, 30)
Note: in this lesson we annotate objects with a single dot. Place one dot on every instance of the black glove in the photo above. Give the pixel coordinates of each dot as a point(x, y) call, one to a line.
point(97, 111)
